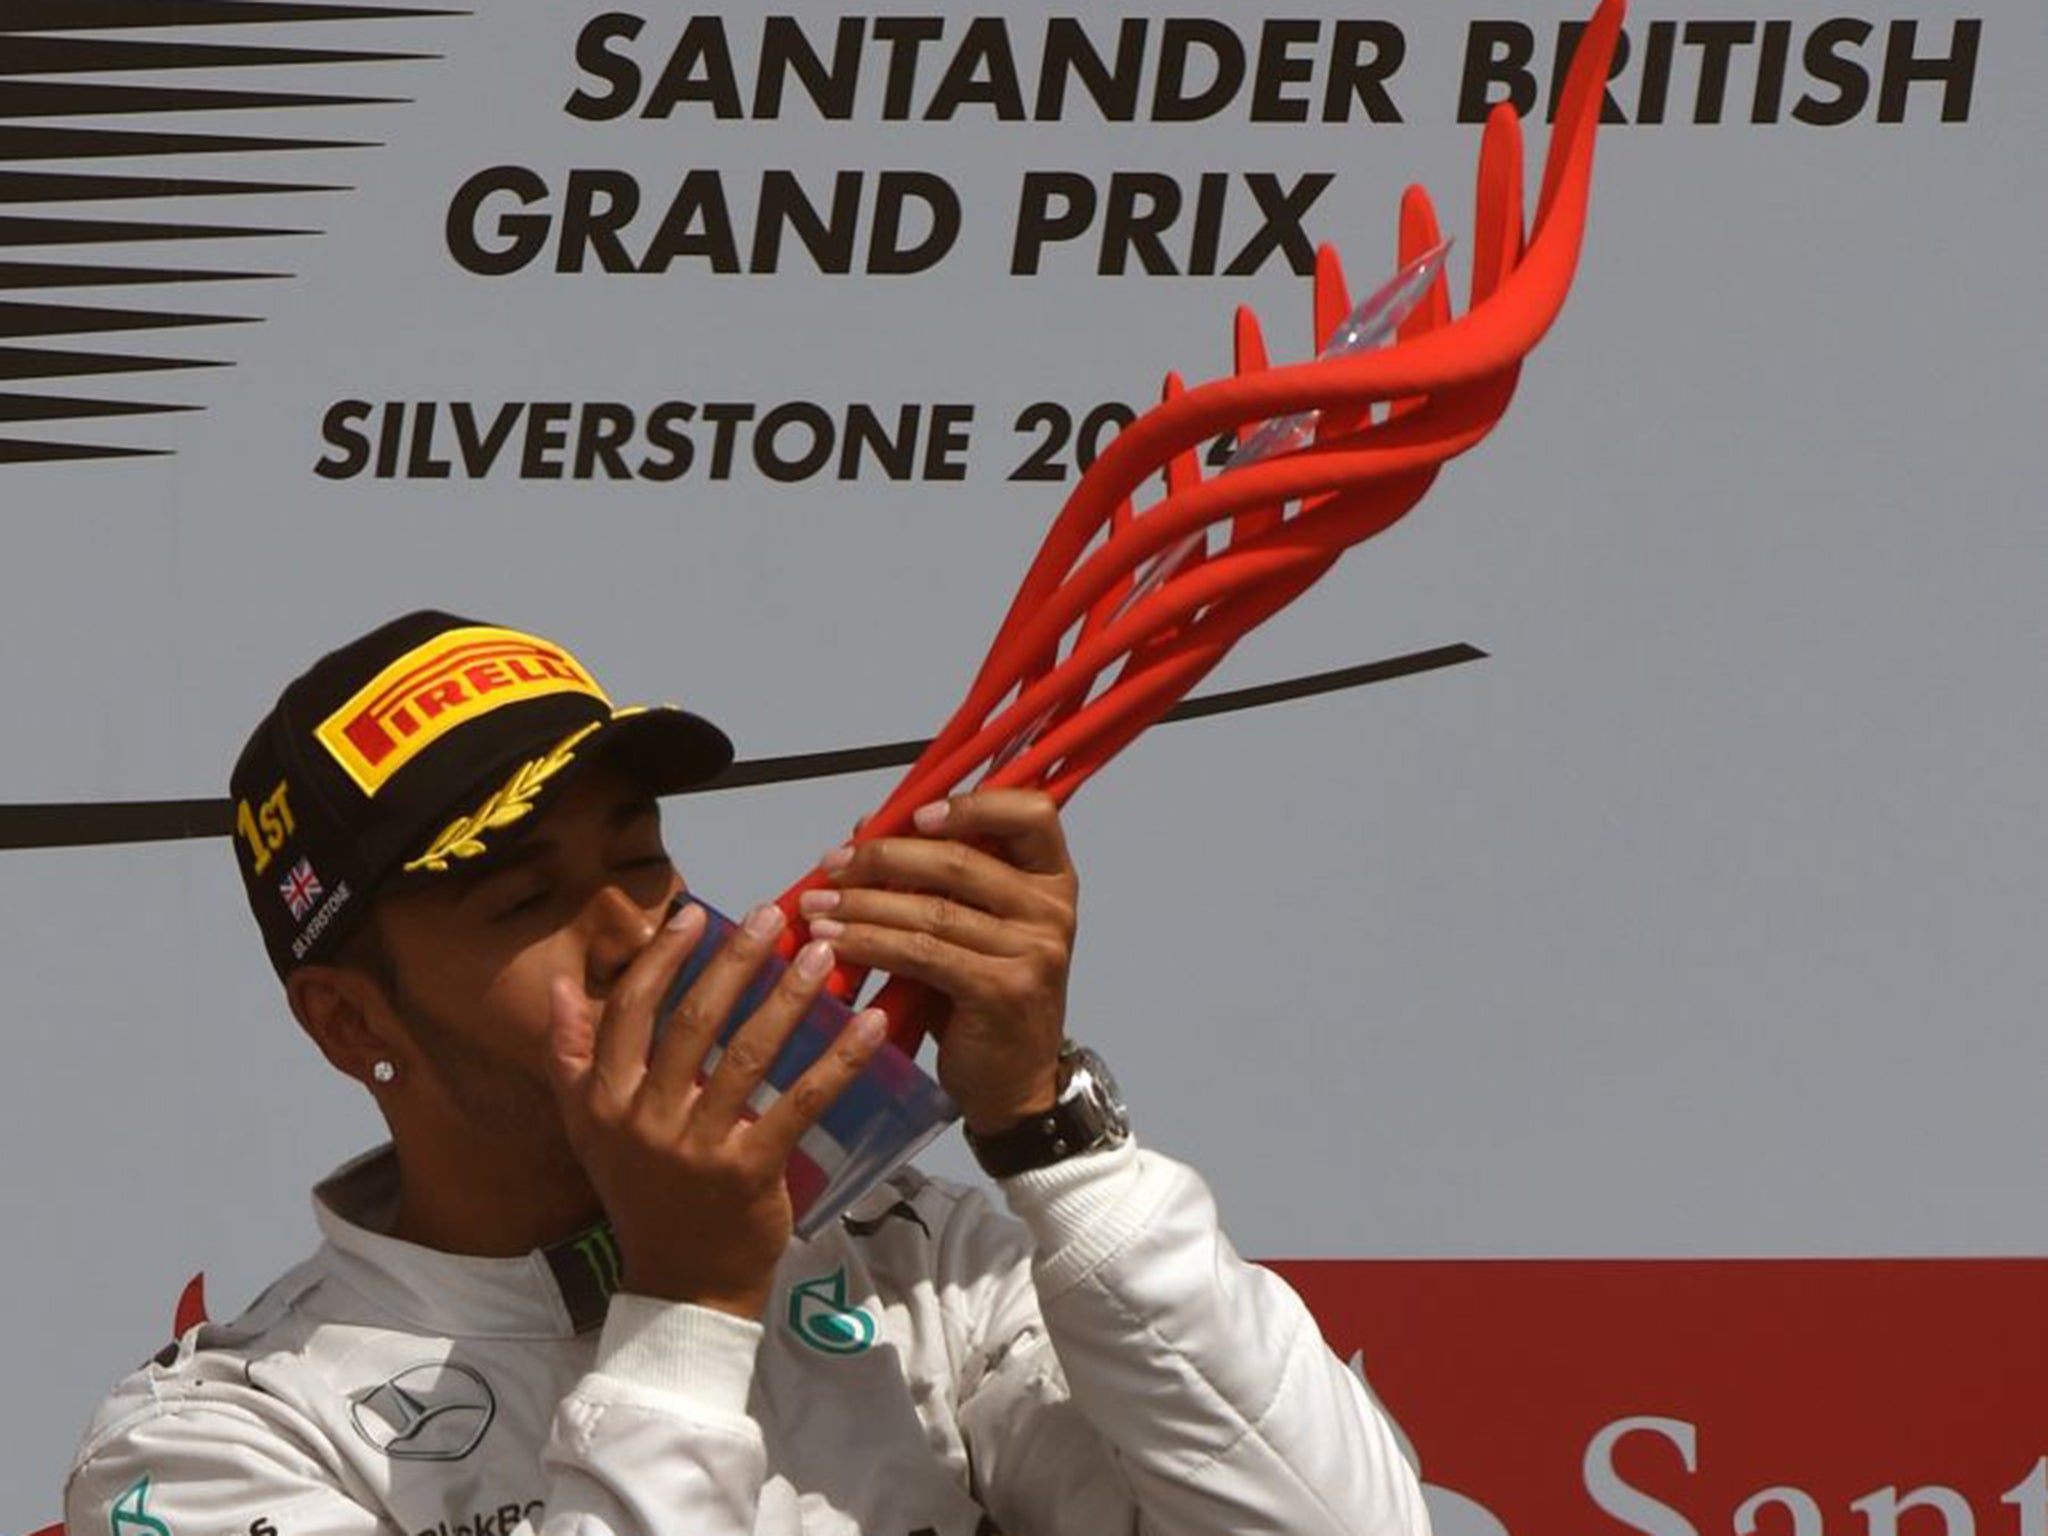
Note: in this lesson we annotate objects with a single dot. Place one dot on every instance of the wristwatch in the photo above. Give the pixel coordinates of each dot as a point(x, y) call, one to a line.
point(1088, 1116)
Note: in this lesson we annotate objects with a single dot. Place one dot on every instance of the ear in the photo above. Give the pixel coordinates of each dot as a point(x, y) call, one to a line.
point(345, 1013)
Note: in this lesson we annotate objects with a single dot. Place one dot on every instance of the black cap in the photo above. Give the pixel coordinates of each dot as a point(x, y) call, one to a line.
point(425, 746)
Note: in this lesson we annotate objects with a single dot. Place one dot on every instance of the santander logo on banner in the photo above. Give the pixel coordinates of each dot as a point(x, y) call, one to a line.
point(1840, 1397)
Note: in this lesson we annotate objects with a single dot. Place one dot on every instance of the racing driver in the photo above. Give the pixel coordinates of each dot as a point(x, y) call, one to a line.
point(566, 1297)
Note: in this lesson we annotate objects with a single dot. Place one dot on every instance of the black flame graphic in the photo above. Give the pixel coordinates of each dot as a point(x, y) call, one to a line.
point(46, 121)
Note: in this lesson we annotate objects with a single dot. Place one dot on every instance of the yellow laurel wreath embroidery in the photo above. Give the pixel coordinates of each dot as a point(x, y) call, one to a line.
point(463, 837)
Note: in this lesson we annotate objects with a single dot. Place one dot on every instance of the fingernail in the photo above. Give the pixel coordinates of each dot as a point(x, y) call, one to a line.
point(688, 915)
point(929, 818)
point(837, 859)
point(826, 928)
point(811, 903)
point(765, 922)
point(871, 1026)
point(814, 960)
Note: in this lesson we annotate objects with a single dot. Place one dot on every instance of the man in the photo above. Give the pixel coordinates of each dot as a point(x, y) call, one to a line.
point(566, 1297)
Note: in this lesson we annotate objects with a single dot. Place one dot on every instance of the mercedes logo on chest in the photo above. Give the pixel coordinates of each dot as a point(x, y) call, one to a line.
point(434, 1411)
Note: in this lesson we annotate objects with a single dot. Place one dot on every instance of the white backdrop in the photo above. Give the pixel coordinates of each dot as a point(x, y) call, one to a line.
point(1701, 917)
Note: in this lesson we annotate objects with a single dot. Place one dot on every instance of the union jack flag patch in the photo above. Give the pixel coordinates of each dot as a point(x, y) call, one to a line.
point(300, 889)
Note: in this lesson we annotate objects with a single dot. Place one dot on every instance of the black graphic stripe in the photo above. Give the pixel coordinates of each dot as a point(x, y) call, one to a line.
point(17, 230)
point(58, 187)
point(892, 754)
point(111, 15)
point(52, 274)
point(66, 408)
point(47, 363)
point(44, 41)
point(15, 451)
point(97, 55)
point(30, 142)
point(134, 821)
point(50, 98)
point(151, 821)
point(1313, 683)
point(73, 320)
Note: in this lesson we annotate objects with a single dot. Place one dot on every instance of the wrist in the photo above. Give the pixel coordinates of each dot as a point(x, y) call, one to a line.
point(993, 1120)
point(748, 1304)
point(1086, 1114)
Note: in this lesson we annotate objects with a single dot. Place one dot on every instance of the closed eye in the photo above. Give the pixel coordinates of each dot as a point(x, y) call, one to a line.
point(639, 866)
point(525, 904)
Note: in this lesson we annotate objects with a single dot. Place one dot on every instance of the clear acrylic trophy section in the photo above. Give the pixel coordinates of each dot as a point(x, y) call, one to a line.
point(883, 1119)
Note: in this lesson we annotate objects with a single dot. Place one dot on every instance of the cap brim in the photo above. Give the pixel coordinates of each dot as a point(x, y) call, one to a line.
point(663, 749)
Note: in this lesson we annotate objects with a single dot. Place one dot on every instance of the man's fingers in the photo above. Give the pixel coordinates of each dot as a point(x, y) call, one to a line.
point(754, 1044)
point(1024, 823)
point(829, 1076)
point(679, 1055)
point(626, 1031)
point(940, 916)
point(962, 974)
point(941, 866)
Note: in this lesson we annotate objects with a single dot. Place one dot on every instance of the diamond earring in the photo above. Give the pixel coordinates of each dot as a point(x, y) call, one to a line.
point(383, 1072)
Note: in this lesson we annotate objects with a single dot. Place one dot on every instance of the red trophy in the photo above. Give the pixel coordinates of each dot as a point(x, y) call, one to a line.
point(1127, 606)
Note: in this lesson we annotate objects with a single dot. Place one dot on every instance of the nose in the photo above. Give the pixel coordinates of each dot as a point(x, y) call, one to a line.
point(615, 929)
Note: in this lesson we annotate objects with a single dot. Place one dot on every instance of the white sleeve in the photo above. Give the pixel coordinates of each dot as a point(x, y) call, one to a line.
point(1191, 1392)
point(655, 1438)
point(230, 1461)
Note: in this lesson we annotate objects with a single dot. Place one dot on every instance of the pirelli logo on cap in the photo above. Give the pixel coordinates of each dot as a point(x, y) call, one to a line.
point(451, 680)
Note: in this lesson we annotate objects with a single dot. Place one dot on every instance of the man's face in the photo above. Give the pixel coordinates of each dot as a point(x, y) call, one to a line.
point(578, 896)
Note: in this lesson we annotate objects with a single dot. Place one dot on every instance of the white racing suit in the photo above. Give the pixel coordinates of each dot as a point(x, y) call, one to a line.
point(926, 1368)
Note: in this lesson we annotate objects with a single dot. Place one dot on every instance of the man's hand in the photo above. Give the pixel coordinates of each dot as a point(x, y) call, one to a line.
point(694, 1191)
point(982, 909)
